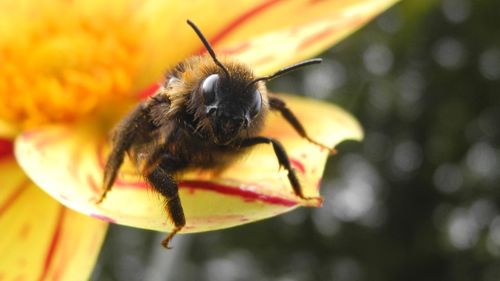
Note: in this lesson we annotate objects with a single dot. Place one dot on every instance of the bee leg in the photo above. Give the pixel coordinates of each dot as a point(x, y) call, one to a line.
point(123, 138)
point(163, 182)
point(115, 160)
point(278, 104)
point(283, 160)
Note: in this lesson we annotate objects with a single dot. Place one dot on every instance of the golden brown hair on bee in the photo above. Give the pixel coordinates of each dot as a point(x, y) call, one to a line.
point(182, 88)
point(207, 113)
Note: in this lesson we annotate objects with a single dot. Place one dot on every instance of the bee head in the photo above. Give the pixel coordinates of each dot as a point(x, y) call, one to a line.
point(232, 97)
point(229, 104)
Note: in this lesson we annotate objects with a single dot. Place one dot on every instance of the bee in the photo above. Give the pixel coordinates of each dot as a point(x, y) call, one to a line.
point(207, 113)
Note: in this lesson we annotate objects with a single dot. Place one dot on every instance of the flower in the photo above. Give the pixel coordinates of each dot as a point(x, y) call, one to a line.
point(70, 69)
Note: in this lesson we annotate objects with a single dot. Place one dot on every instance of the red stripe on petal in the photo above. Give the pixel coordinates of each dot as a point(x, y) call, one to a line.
point(327, 31)
point(197, 184)
point(264, 60)
point(314, 2)
point(6, 148)
point(239, 21)
point(12, 198)
point(247, 195)
point(238, 49)
point(103, 218)
point(315, 38)
point(149, 91)
point(299, 166)
point(40, 138)
point(53, 243)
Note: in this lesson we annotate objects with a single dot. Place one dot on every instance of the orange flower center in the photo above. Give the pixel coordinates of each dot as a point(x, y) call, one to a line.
point(62, 61)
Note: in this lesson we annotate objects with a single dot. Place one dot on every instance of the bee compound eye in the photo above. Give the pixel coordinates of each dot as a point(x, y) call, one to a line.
point(256, 103)
point(209, 87)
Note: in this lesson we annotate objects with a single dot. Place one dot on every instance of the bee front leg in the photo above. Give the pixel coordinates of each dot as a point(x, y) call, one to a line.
point(283, 160)
point(124, 135)
point(163, 182)
point(278, 104)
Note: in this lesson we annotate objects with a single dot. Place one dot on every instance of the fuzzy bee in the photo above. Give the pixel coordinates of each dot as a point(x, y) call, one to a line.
point(206, 114)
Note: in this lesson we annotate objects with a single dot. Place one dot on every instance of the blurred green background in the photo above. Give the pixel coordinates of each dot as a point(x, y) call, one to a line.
point(418, 199)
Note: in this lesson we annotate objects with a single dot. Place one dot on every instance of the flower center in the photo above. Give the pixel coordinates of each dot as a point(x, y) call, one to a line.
point(61, 61)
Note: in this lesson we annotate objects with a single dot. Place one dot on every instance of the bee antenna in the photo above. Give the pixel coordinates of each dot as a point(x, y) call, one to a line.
point(208, 47)
point(285, 70)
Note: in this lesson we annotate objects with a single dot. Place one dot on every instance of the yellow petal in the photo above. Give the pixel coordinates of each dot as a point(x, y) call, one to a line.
point(41, 239)
point(67, 162)
point(266, 34)
point(289, 31)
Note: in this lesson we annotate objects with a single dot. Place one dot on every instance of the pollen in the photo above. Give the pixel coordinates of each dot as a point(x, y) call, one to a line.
point(63, 60)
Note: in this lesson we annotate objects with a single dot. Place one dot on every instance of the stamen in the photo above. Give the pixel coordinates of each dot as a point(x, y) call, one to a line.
point(59, 69)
